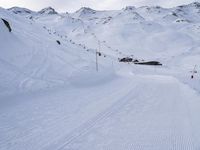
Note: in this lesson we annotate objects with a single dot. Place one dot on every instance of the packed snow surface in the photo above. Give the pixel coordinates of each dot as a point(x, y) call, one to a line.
point(53, 96)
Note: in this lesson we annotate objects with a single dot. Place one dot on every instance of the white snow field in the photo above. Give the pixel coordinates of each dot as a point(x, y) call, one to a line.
point(52, 97)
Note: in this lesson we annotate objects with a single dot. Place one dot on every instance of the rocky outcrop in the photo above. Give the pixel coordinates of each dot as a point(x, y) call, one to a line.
point(48, 10)
point(7, 24)
point(155, 63)
point(126, 59)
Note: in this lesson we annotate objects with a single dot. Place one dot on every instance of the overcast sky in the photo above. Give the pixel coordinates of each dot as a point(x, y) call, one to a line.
point(72, 5)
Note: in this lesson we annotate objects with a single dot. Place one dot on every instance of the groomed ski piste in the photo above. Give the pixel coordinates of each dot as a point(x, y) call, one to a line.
point(52, 97)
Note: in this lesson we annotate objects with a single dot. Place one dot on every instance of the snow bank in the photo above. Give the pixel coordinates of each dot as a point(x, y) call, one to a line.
point(88, 76)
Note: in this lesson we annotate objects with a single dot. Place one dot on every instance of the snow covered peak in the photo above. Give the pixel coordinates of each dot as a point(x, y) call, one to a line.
point(194, 4)
point(128, 17)
point(129, 8)
point(19, 10)
point(152, 9)
point(48, 10)
point(197, 4)
point(85, 11)
point(189, 12)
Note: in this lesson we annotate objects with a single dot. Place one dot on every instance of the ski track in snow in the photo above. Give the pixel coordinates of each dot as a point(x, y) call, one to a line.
point(176, 136)
point(86, 127)
point(126, 118)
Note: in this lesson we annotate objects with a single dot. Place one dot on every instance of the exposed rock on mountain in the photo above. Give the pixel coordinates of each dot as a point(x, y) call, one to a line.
point(7, 24)
point(48, 10)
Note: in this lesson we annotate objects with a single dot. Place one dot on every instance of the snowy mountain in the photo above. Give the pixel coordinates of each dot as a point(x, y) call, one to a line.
point(52, 97)
point(48, 10)
point(21, 11)
point(85, 11)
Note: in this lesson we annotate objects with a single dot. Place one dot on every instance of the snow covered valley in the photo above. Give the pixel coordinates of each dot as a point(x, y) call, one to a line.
point(52, 97)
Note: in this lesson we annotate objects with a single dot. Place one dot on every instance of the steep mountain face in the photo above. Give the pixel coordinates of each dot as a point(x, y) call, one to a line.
point(146, 33)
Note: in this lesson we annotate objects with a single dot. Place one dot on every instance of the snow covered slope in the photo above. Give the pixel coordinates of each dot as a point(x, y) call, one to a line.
point(52, 97)
point(31, 57)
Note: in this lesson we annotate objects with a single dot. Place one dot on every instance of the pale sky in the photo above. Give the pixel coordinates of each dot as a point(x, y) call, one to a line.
point(73, 5)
